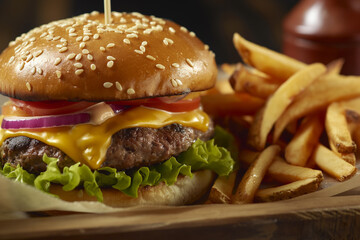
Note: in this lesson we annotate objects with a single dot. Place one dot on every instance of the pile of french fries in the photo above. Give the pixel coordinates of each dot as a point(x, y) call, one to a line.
point(293, 122)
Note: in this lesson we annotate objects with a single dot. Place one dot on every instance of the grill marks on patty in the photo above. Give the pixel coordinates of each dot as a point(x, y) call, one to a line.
point(130, 148)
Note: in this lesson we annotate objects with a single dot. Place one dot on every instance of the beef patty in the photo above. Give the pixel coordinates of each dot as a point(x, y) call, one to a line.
point(130, 148)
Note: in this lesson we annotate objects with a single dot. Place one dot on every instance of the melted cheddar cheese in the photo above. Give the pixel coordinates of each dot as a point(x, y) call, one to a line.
point(88, 143)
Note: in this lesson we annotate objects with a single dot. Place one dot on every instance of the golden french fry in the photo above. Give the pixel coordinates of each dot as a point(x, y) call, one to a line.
point(299, 149)
point(224, 87)
point(228, 68)
point(335, 66)
point(218, 104)
point(221, 190)
point(332, 164)
point(337, 130)
point(253, 82)
point(284, 95)
point(252, 178)
point(283, 172)
point(348, 157)
point(287, 191)
point(270, 62)
point(322, 92)
point(254, 131)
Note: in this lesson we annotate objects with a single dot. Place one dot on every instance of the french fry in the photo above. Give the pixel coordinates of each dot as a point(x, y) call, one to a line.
point(299, 149)
point(287, 191)
point(221, 191)
point(218, 104)
point(322, 92)
point(254, 131)
point(228, 68)
point(332, 164)
point(284, 95)
point(280, 170)
point(283, 172)
point(253, 82)
point(335, 66)
point(348, 157)
point(252, 178)
point(337, 130)
point(270, 62)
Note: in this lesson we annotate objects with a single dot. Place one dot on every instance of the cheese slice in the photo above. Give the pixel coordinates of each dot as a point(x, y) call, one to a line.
point(88, 143)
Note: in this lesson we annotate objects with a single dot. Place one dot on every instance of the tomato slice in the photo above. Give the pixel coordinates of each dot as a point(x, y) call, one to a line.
point(25, 108)
point(161, 103)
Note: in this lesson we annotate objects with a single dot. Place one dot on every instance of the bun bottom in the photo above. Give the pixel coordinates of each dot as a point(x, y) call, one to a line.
point(185, 190)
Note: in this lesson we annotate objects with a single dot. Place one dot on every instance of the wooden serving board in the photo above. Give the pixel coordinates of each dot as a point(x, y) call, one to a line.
point(318, 218)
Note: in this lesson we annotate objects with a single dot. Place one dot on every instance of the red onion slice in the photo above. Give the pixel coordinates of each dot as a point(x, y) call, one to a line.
point(44, 122)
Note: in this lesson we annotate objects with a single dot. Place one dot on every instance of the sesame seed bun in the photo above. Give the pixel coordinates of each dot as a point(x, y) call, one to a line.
point(81, 58)
point(185, 190)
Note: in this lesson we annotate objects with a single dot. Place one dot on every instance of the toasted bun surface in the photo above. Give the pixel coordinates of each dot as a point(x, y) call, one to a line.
point(186, 190)
point(81, 58)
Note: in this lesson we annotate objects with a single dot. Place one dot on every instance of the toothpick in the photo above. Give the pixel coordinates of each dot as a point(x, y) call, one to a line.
point(107, 10)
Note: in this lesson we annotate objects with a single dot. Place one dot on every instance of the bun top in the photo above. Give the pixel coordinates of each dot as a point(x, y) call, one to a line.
point(81, 58)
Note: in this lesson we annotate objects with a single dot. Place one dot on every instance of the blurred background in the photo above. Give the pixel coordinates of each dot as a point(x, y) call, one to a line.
point(213, 21)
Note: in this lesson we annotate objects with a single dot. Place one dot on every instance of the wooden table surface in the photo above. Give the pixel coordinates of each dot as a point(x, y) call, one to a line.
point(319, 218)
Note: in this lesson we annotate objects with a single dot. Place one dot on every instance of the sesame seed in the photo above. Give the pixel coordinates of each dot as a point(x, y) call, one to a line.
point(72, 34)
point(63, 40)
point(108, 84)
point(43, 34)
point(130, 91)
point(118, 86)
point(160, 66)
point(147, 31)
point(79, 71)
point(21, 66)
point(33, 70)
point(78, 39)
point(176, 65)
point(32, 39)
point(174, 83)
point(127, 41)
point(94, 13)
point(165, 42)
point(58, 74)
point(138, 51)
point(86, 38)
point(184, 29)
point(29, 57)
point(28, 86)
point(132, 35)
point(85, 51)
point(96, 36)
point(78, 57)
point(110, 58)
point(102, 49)
point(11, 59)
point(82, 45)
point(59, 46)
point(192, 34)
point(179, 82)
point(206, 47)
point(39, 71)
point(71, 30)
point(93, 67)
point(144, 43)
point(56, 38)
point(88, 34)
point(150, 57)
point(110, 45)
point(90, 57)
point(71, 56)
point(23, 57)
point(169, 40)
point(189, 62)
point(172, 30)
point(57, 61)
point(38, 53)
point(63, 49)
point(110, 64)
point(78, 65)
point(142, 48)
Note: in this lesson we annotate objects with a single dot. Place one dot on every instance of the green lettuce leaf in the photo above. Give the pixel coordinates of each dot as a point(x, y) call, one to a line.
point(201, 155)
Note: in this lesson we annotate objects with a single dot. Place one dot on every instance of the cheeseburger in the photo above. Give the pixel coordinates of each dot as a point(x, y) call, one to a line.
point(110, 112)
